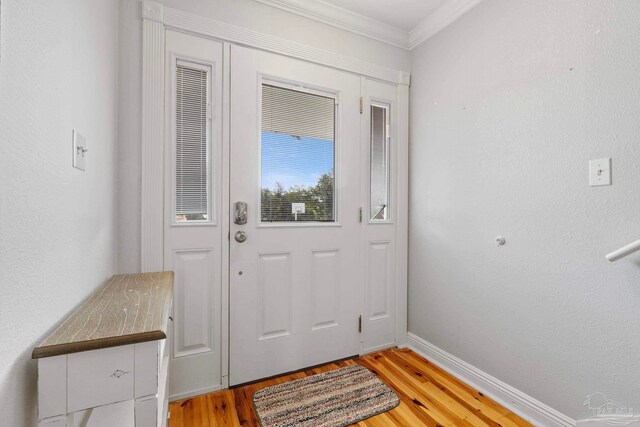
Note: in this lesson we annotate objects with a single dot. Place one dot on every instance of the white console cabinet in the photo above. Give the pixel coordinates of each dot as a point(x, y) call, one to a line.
point(105, 365)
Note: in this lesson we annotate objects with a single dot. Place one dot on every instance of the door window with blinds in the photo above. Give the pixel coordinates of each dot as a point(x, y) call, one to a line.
point(297, 156)
point(379, 163)
point(192, 143)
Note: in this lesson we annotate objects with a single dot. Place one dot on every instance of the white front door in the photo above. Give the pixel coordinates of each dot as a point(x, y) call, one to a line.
point(296, 282)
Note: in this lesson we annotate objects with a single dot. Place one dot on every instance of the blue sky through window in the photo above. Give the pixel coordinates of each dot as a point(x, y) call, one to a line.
point(293, 161)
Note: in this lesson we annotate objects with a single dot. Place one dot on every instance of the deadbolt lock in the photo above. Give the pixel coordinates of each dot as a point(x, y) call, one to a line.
point(240, 213)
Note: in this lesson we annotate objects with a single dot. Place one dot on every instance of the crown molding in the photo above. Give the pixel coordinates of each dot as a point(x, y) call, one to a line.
point(321, 11)
point(195, 24)
point(439, 19)
point(335, 16)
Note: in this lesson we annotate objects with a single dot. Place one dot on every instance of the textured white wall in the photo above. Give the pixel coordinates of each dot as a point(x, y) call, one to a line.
point(244, 13)
point(58, 71)
point(508, 105)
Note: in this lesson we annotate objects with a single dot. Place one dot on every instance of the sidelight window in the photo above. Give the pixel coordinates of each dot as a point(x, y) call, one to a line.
point(192, 195)
point(379, 163)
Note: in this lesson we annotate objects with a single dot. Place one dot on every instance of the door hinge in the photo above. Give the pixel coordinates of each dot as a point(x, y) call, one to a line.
point(360, 324)
point(361, 105)
point(360, 215)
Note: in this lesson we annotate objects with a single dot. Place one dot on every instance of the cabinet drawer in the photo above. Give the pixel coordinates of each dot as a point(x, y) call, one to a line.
point(100, 377)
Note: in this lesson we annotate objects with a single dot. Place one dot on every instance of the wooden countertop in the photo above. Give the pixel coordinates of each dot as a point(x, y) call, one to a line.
point(128, 309)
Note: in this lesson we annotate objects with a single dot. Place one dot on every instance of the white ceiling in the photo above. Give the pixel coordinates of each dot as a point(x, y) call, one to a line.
point(403, 14)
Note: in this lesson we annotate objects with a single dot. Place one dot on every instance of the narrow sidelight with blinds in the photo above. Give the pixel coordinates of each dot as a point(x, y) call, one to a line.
point(379, 163)
point(192, 142)
point(298, 156)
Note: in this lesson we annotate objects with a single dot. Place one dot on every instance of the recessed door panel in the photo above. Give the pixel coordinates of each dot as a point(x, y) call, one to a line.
point(274, 301)
point(193, 302)
point(378, 282)
point(325, 289)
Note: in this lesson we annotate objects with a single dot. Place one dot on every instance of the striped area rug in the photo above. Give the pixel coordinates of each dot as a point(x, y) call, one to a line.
point(335, 398)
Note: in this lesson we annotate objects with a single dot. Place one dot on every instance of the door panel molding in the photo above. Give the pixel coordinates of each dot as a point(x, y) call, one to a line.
point(325, 288)
point(379, 280)
point(275, 283)
point(193, 302)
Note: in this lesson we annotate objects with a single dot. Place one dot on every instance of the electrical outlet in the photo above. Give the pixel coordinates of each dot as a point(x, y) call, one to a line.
point(600, 172)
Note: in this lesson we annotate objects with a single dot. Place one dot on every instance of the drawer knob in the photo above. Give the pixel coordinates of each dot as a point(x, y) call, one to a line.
point(119, 373)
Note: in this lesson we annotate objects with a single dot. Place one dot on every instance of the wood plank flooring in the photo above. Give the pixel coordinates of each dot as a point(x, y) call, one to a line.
point(429, 397)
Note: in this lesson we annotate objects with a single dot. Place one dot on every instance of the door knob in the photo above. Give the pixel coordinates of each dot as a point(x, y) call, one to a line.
point(241, 236)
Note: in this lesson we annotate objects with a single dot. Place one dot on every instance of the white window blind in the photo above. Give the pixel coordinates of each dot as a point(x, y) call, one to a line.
point(296, 113)
point(192, 174)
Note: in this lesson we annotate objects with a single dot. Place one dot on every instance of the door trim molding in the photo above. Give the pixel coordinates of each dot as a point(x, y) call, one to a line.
point(156, 19)
point(402, 220)
point(152, 192)
point(189, 22)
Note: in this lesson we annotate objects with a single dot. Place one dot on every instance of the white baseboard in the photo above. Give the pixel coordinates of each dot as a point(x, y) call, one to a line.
point(181, 396)
point(600, 423)
point(511, 398)
point(379, 348)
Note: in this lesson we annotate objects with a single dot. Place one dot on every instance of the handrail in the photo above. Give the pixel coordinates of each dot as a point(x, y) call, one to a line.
point(624, 251)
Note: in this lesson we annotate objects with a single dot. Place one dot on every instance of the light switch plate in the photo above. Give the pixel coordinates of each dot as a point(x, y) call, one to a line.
point(79, 150)
point(600, 172)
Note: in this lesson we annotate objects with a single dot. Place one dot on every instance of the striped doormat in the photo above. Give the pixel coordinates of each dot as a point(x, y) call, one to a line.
point(335, 398)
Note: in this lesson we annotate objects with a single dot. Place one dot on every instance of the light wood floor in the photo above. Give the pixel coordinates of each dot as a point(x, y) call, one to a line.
point(429, 397)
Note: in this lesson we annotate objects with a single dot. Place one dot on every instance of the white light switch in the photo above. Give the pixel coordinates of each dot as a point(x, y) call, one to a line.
point(79, 151)
point(600, 172)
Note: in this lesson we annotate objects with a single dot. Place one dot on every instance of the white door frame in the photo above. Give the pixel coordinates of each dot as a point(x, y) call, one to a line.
point(156, 19)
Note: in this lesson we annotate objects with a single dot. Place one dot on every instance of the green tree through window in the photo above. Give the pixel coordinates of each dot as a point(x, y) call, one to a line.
point(276, 203)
